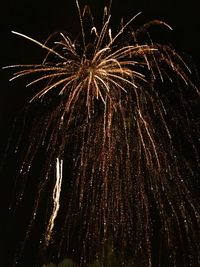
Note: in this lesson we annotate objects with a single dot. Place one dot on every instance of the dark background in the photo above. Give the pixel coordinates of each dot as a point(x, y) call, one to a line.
point(40, 18)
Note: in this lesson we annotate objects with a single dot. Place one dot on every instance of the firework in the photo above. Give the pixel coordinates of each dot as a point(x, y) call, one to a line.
point(101, 151)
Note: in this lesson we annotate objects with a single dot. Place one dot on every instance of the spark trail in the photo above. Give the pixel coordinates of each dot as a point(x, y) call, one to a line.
point(56, 199)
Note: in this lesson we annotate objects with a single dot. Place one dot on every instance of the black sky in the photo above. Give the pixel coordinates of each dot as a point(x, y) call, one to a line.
point(40, 18)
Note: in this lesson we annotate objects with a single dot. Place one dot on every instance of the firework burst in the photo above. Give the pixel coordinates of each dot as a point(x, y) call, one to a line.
point(111, 175)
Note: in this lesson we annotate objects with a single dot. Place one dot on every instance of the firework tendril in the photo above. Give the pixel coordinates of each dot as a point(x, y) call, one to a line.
point(110, 175)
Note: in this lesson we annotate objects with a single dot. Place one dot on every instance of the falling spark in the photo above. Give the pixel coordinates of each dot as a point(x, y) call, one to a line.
point(56, 198)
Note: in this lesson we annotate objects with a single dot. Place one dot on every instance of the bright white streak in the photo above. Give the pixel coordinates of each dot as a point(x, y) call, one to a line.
point(56, 198)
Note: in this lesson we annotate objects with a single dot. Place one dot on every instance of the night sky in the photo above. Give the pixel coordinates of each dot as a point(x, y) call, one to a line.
point(38, 19)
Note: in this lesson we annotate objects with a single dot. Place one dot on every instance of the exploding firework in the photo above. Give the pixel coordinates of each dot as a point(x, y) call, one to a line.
point(101, 151)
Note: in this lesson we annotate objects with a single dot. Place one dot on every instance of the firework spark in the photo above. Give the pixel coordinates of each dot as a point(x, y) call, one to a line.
point(56, 199)
point(105, 133)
